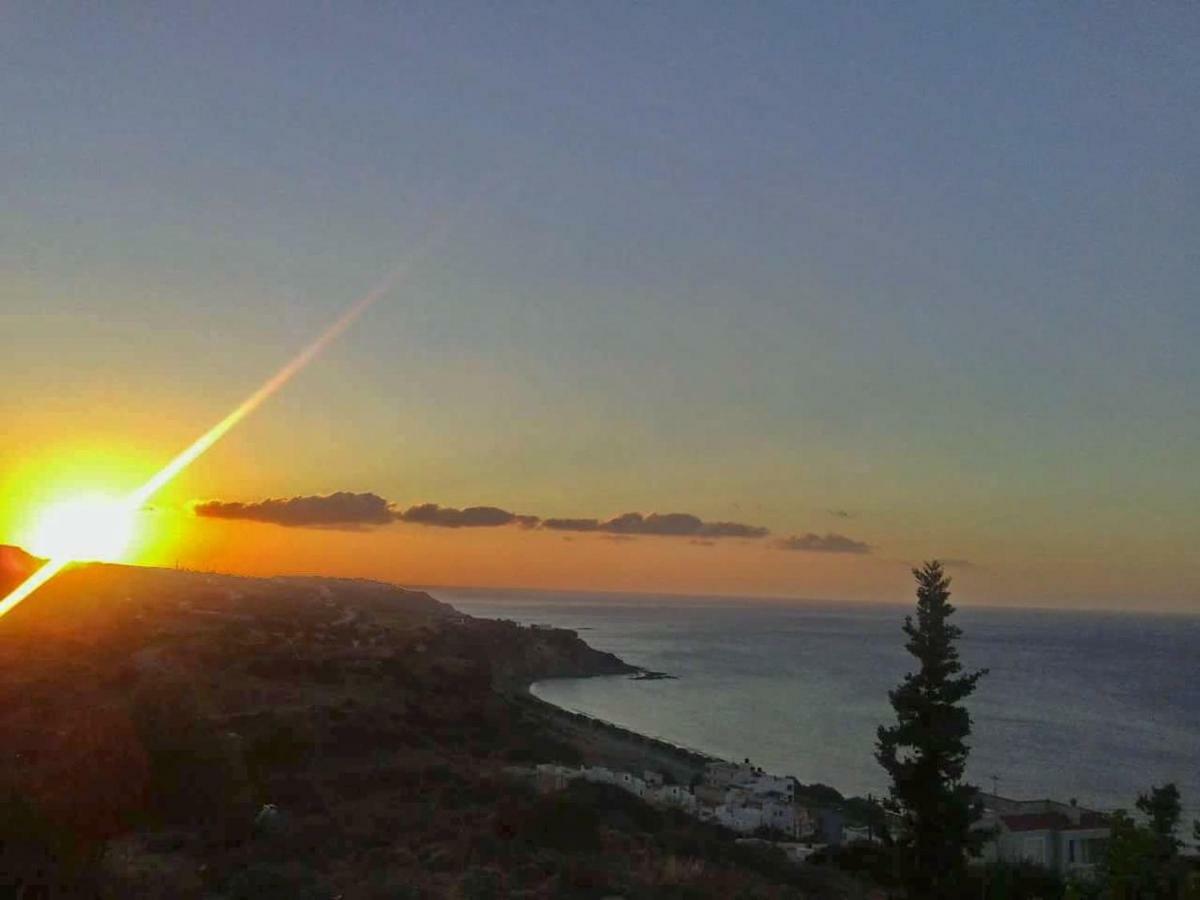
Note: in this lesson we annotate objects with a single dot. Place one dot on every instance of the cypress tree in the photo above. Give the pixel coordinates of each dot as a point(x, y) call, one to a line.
point(1162, 807)
point(925, 752)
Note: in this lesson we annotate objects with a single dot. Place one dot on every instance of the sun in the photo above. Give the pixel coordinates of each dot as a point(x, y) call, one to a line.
point(90, 528)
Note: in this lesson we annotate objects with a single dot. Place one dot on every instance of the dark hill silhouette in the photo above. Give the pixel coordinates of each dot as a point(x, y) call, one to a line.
point(148, 715)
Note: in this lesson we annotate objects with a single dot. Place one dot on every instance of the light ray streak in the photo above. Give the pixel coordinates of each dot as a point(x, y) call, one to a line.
point(168, 472)
point(193, 451)
point(32, 583)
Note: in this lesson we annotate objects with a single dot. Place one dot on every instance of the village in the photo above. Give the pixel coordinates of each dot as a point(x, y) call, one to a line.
point(739, 796)
point(1066, 838)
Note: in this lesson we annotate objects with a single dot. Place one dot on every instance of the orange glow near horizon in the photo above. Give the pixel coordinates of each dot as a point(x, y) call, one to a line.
point(69, 531)
point(91, 528)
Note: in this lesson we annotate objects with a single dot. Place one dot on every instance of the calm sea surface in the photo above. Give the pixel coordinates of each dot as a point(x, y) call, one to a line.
point(1095, 706)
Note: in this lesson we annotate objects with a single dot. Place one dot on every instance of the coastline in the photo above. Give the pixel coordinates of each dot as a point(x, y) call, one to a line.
point(544, 653)
point(801, 690)
point(562, 654)
point(362, 733)
point(600, 742)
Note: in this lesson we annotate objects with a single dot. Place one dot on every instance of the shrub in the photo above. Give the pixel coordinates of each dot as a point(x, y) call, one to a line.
point(479, 884)
point(1014, 881)
point(197, 774)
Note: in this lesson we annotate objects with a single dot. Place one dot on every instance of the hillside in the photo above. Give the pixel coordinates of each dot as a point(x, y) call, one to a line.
point(148, 716)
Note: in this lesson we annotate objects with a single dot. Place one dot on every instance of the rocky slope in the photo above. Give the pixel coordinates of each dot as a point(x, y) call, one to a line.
point(520, 656)
point(148, 717)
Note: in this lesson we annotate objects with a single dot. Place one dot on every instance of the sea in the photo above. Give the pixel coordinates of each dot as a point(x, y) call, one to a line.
point(1094, 706)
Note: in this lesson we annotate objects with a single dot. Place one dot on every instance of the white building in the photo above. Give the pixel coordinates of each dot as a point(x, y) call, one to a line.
point(631, 783)
point(550, 777)
point(673, 795)
point(624, 780)
point(748, 817)
point(598, 775)
point(781, 817)
point(739, 796)
point(743, 819)
point(750, 779)
point(1064, 837)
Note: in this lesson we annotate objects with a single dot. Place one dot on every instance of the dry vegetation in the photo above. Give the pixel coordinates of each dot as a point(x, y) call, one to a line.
point(146, 717)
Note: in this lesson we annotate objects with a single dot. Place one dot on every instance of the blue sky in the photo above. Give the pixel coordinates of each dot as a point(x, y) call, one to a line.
point(749, 261)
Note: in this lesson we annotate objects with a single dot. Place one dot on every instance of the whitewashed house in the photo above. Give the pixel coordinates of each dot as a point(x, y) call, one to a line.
point(631, 783)
point(627, 781)
point(739, 796)
point(781, 816)
point(674, 796)
point(599, 775)
point(550, 777)
point(743, 819)
point(1064, 837)
point(750, 779)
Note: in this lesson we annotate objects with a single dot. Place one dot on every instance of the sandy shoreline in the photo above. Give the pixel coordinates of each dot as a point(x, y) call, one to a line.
point(600, 742)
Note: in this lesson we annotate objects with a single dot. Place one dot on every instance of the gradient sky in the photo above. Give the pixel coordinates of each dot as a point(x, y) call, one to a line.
point(923, 276)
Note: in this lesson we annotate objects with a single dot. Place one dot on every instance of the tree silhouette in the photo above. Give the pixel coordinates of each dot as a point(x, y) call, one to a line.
point(1162, 809)
point(1161, 806)
point(925, 752)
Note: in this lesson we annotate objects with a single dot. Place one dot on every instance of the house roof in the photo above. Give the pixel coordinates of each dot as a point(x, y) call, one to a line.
point(1034, 822)
point(1053, 821)
point(1091, 820)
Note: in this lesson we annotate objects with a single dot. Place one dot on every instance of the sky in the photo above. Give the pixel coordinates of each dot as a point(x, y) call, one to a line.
point(872, 282)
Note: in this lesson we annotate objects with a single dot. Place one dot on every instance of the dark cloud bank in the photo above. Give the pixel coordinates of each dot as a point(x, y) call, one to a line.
point(471, 517)
point(671, 524)
point(827, 543)
point(340, 510)
point(350, 511)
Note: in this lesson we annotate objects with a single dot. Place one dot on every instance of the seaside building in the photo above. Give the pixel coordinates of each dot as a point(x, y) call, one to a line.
point(1064, 837)
point(819, 824)
point(631, 783)
point(742, 819)
point(550, 777)
point(722, 773)
point(749, 778)
point(674, 796)
point(749, 816)
point(739, 796)
point(746, 781)
point(709, 795)
point(555, 777)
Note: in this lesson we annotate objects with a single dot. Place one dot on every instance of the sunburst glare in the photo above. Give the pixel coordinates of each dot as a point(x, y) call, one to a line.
point(90, 528)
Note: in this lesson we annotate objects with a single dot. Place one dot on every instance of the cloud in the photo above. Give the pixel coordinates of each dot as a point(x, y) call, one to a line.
point(340, 510)
point(347, 510)
point(701, 542)
point(660, 524)
point(571, 524)
point(732, 529)
point(828, 543)
point(953, 563)
point(470, 517)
